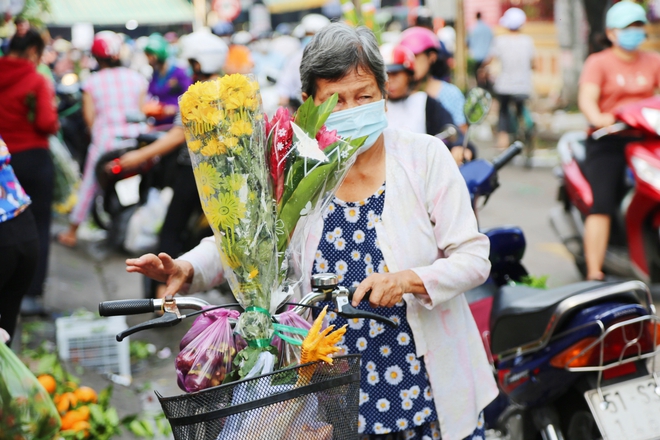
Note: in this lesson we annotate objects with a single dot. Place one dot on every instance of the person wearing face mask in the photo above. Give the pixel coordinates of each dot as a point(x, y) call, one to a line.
point(401, 225)
point(617, 76)
point(28, 116)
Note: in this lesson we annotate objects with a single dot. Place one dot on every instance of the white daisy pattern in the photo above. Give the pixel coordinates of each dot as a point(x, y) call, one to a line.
point(391, 383)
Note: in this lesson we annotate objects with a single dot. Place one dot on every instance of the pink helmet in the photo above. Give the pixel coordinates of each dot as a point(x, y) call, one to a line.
point(419, 39)
point(107, 44)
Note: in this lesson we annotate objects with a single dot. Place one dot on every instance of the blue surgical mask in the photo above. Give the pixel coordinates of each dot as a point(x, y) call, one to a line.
point(364, 120)
point(630, 38)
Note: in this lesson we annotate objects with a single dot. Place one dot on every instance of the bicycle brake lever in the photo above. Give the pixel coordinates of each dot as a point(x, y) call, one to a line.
point(167, 320)
point(346, 310)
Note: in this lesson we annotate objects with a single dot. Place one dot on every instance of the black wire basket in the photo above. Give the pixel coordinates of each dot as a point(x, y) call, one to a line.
point(312, 401)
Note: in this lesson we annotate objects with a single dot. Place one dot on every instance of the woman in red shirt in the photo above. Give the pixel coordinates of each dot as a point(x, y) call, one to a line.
point(612, 78)
point(27, 118)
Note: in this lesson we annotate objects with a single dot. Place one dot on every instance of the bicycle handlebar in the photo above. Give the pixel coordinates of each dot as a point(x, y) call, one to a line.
point(507, 155)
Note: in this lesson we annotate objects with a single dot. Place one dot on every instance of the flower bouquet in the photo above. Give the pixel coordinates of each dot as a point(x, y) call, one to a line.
point(256, 180)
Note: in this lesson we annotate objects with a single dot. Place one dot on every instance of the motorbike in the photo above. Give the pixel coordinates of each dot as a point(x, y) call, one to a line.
point(69, 108)
point(634, 245)
point(576, 362)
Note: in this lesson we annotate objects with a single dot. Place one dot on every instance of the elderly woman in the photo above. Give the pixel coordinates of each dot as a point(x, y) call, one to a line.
point(401, 226)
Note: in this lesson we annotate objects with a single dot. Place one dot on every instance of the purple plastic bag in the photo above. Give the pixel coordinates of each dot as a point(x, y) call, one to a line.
point(207, 351)
point(289, 353)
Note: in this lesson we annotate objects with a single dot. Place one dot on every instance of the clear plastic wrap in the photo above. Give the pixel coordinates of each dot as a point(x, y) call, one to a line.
point(207, 351)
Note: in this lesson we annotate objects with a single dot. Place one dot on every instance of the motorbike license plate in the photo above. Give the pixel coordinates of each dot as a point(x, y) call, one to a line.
point(633, 411)
point(128, 190)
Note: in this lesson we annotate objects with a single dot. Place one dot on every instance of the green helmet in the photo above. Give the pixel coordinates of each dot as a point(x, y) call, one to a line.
point(158, 46)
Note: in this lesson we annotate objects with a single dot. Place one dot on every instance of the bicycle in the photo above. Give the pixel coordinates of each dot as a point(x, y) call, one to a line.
point(521, 126)
point(326, 407)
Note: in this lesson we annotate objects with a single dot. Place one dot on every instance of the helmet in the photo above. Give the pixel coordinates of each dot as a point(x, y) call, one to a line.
point(223, 29)
point(158, 46)
point(106, 44)
point(239, 60)
point(312, 23)
point(397, 58)
point(242, 37)
point(419, 39)
point(513, 19)
point(207, 49)
point(623, 14)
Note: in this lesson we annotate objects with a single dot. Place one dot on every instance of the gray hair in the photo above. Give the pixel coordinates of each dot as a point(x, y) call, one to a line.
point(336, 51)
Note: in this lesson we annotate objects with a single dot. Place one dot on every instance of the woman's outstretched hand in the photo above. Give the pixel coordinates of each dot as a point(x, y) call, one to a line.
point(387, 289)
point(174, 273)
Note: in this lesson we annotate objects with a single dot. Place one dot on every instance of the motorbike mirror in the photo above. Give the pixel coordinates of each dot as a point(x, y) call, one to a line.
point(477, 105)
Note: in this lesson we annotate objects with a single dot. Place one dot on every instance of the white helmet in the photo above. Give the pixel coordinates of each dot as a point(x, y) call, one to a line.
point(207, 49)
point(312, 23)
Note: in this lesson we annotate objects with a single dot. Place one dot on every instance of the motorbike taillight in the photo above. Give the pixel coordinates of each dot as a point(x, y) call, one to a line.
point(619, 343)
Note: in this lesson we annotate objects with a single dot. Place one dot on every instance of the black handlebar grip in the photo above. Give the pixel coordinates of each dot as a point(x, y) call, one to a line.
point(351, 292)
point(508, 154)
point(125, 307)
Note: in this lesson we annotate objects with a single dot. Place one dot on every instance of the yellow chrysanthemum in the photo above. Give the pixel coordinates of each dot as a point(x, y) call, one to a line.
point(214, 147)
point(208, 180)
point(233, 182)
point(194, 145)
point(240, 128)
point(235, 83)
point(234, 100)
point(231, 142)
point(225, 212)
point(253, 273)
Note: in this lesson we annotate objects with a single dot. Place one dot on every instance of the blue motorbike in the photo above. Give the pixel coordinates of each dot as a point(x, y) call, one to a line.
point(576, 362)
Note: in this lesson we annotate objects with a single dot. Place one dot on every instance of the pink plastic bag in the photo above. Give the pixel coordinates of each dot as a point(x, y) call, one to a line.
point(207, 351)
point(290, 353)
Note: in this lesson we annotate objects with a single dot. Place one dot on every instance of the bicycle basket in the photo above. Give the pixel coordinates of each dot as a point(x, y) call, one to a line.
point(273, 406)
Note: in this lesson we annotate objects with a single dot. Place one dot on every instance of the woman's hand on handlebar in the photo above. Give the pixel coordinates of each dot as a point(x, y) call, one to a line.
point(387, 289)
point(603, 120)
point(132, 159)
point(174, 273)
point(461, 154)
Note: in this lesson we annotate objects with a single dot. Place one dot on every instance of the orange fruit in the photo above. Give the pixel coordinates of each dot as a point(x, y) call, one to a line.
point(81, 426)
point(72, 417)
point(65, 402)
point(86, 395)
point(48, 382)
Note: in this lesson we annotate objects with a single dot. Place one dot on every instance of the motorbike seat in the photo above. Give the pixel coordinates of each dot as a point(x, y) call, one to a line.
point(521, 315)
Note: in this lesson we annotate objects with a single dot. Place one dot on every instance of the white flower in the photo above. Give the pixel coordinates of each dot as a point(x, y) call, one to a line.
point(427, 411)
point(361, 423)
point(410, 357)
point(418, 418)
point(404, 394)
point(361, 344)
point(371, 215)
point(279, 146)
point(331, 208)
point(341, 267)
point(355, 255)
point(355, 284)
point(373, 378)
point(344, 154)
point(403, 338)
point(406, 404)
point(480, 422)
point(369, 269)
point(415, 367)
point(428, 394)
point(340, 244)
point(414, 392)
point(371, 224)
point(355, 323)
point(318, 255)
point(321, 265)
point(340, 278)
point(337, 232)
point(394, 375)
point(281, 132)
point(371, 366)
point(383, 405)
point(342, 350)
point(330, 237)
point(368, 259)
point(382, 267)
point(332, 316)
point(364, 397)
point(400, 303)
point(395, 319)
point(358, 236)
point(402, 424)
point(380, 429)
point(385, 350)
point(352, 214)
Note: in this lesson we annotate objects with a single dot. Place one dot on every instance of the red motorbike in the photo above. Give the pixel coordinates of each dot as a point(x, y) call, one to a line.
point(634, 245)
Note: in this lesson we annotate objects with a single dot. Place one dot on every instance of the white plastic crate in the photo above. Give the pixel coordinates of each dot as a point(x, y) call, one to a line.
point(91, 342)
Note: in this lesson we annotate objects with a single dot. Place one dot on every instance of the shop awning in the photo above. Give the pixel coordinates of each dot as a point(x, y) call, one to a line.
point(118, 12)
point(280, 6)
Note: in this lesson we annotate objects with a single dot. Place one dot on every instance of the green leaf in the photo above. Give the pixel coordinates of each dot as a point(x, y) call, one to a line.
point(306, 117)
point(104, 397)
point(112, 417)
point(324, 110)
point(137, 428)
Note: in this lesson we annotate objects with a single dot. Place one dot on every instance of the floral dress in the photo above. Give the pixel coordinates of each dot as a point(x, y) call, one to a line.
point(395, 394)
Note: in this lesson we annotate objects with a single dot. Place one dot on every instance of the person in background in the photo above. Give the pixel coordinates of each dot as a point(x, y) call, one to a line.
point(27, 118)
point(168, 81)
point(206, 54)
point(108, 96)
point(516, 53)
point(479, 41)
point(19, 243)
point(410, 110)
point(430, 66)
point(610, 79)
point(288, 84)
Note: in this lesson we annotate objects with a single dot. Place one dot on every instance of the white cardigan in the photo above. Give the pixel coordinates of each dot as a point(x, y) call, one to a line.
point(428, 226)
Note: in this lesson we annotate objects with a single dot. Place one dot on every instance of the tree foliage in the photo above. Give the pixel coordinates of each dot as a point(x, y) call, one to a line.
point(35, 11)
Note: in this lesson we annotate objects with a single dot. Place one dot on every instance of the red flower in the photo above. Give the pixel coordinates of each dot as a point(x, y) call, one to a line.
point(326, 138)
point(280, 134)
